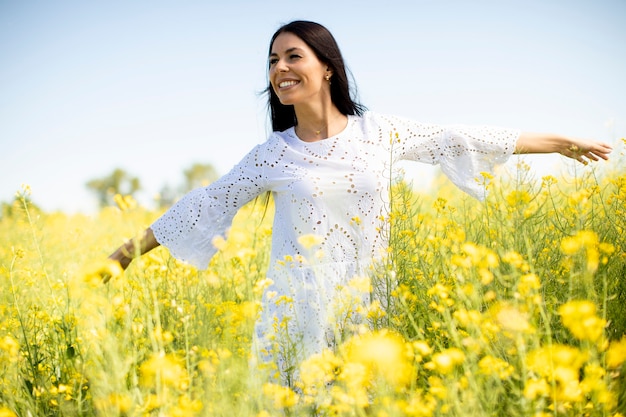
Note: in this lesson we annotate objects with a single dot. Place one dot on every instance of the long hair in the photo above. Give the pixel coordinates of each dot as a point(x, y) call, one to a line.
point(323, 44)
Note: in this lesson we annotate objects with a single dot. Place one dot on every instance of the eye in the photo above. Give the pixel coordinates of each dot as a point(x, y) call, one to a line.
point(273, 61)
point(294, 57)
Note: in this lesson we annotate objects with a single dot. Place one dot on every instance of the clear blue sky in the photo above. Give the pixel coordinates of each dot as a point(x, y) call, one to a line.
point(153, 86)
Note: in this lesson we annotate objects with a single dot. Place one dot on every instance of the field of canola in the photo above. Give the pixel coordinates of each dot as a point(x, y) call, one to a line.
point(511, 307)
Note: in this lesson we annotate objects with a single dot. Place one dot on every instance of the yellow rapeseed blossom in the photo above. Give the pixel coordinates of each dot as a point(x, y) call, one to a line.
point(467, 317)
point(579, 316)
point(528, 284)
point(125, 202)
point(362, 284)
point(560, 365)
point(11, 346)
point(219, 243)
point(6, 412)
point(490, 365)
point(102, 271)
point(163, 369)
point(516, 260)
point(446, 361)
point(480, 256)
point(421, 349)
point(518, 198)
point(310, 240)
point(583, 239)
point(616, 353)
point(318, 370)
point(281, 396)
point(548, 180)
point(510, 318)
point(356, 379)
point(121, 403)
point(587, 241)
point(383, 354)
point(536, 388)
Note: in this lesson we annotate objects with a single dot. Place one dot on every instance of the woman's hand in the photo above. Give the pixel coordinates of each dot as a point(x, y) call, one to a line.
point(584, 150)
point(131, 249)
point(581, 150)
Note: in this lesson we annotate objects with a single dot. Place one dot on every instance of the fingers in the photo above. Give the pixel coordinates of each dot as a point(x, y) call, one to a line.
point(584, 152)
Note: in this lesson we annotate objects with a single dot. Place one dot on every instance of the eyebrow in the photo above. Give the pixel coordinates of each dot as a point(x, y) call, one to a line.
point(295, 48)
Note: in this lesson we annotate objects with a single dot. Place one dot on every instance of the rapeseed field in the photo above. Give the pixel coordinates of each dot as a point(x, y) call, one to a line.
point(510, 307)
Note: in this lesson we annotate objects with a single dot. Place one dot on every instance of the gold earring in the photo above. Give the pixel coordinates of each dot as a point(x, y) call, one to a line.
point(327, 77)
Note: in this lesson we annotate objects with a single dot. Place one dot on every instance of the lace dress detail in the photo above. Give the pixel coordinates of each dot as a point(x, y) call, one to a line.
point(337, 189)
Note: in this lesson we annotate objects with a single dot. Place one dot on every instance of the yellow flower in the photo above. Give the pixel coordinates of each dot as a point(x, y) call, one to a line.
point(121, 402)
point(103, 271)
point(10, 346)
point(125, 202)
point(490, 365)
point(219, 242)
point(480, 256)
point(510, 318)
point(6, 412)
point(318, 370)
point(383, 354)
point(581, 320)
point(446, 361)
point(560, 365)
point(570, 245)
point(421, 348)
point(281, 396)
point(544, 360)
point(587, 240)
point(467, 317)
point(528, 283)
point(165, 369)
point(356, 220)
point(361, 284)
point(310, 240)
point(616, 354)
point(535, 388)
point(518, 197)
point(516, 260)
point(548, 180)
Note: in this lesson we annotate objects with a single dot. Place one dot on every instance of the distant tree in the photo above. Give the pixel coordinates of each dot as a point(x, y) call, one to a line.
point(166, 197)
point(118, 182)
point(199, 175)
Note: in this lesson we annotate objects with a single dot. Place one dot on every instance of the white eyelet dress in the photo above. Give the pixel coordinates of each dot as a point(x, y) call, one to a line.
point(336, 189)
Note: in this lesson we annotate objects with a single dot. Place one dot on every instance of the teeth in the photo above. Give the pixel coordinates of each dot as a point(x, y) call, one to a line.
point(287, 84)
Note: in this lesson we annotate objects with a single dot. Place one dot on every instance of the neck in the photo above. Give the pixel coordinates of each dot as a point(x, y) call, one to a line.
point(311, 128)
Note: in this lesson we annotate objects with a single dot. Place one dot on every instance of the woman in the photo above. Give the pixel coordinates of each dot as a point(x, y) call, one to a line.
point(328, 165)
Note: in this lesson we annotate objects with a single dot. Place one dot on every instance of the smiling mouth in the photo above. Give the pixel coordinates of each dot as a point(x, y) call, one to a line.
point(290, 83)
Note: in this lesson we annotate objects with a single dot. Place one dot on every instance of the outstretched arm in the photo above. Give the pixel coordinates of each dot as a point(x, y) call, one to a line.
point(581, 150)
point(134, 247)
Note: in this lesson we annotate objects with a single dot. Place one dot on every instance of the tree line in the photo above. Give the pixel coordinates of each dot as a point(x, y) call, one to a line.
point(121, 182)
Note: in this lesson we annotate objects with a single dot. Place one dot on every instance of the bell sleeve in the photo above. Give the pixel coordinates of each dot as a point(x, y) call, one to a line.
point(188, 228)
point(462, 152)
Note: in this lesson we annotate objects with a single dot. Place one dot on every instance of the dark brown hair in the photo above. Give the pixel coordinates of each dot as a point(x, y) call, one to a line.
point(323, 44)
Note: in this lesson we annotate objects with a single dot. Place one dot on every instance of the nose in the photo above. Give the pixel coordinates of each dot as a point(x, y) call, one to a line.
point(281, 66)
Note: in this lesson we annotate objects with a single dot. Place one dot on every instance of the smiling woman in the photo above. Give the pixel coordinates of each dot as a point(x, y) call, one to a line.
point(328, 165)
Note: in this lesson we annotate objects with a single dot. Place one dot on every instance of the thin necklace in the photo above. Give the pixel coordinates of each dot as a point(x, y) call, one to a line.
point(317, 132)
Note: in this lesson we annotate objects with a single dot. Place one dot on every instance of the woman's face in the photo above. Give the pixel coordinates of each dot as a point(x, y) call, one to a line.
point(296, 74)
